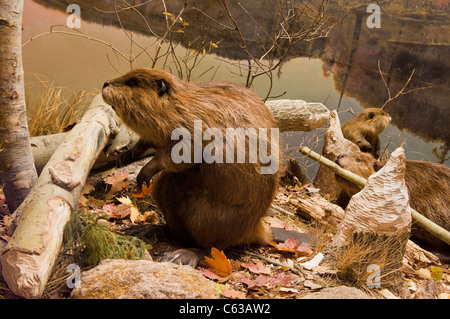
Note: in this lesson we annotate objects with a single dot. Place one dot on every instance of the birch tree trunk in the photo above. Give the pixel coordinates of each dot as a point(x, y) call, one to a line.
point(17, 171)
point(31, 252)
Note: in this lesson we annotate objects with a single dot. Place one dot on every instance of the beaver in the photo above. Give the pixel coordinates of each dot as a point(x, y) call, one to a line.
point(204, 203)
point(428, 186)
point(363, 130)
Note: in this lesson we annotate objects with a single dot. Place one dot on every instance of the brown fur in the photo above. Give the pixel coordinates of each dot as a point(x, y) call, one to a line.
point(210, 205)
point(363, 130)
point(428, 185)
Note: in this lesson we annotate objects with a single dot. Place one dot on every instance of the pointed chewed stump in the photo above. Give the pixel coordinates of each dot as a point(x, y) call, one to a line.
point(371, 240)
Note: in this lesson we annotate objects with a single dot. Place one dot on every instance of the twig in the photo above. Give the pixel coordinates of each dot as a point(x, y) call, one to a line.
point(282, 210)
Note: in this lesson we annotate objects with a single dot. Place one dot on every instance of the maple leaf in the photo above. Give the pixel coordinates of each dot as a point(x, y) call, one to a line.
point(134, 212)
point(258, 268)
point(233, 294)
point(208, 273)
point(118, 181)
point(267, 282)
point(120, 211)
point(144, 191)
point(219, 262)
point(292, 245)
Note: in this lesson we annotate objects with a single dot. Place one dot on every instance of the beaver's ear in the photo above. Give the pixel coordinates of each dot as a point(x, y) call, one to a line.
point(162, 87)
point(377, 166)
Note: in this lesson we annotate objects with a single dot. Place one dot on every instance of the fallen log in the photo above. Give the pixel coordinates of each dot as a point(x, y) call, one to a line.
point(28, 258)
point(291, 115)
point(44, 146)
point(375, 230)
point(298, 115)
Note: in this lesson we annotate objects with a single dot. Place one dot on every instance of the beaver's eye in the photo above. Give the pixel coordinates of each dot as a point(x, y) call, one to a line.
point(371, 115)
point(132, 82)
point(358, 160)
point(162, 87)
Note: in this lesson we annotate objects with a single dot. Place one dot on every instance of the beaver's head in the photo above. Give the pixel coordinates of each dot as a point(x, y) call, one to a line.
point(142, 99)
point(360, 163)
point(375, 118)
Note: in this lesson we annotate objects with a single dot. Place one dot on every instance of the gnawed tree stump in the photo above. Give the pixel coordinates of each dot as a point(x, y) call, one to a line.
point(334, 144)
point(28, 258)
point(371, 240)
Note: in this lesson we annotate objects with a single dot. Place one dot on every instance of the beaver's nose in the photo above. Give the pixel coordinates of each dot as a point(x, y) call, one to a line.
point(106, 84)
point(338, 158)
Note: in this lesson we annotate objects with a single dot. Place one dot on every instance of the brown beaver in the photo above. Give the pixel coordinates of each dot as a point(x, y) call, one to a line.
point(428, 185)
point(205, 204)
point(363, 130)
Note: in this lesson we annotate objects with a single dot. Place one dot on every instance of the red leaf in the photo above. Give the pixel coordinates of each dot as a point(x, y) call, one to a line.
point(208, 273)
point(118, 181)
point(258, 268)
point(233, 294)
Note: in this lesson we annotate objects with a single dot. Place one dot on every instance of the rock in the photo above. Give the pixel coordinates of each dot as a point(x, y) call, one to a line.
point(341, 292)
point(143, 279)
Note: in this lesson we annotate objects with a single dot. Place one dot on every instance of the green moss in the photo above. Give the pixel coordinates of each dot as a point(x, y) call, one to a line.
point(92, 242)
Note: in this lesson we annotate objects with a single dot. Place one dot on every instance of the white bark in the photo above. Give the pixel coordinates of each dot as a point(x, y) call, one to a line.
point(17, 172)
point(298, 115)
point(28, 258)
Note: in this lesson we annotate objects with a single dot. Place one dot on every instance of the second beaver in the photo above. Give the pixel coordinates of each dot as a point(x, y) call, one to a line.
point(206, 204)
point(428, 186)
point(364, 129)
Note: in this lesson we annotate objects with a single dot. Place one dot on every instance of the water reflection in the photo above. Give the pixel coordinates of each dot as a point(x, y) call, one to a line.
point(410, 38)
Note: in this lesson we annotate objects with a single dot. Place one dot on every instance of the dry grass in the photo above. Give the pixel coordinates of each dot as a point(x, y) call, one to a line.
point(353, 260)
point(52, 109)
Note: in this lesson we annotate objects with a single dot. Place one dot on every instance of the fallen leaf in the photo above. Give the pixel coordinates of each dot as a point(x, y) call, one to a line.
point(292, 245)
point(109, 208)
point(144, 191)
point(436, 273)
point(118, 181)
point(233, 294)
point(208, 273)
point(267, 282)
point(121, 211)
point(142, 218)
point(258, 268)
point(219, 262)
point(87, 188)
point(134, 212)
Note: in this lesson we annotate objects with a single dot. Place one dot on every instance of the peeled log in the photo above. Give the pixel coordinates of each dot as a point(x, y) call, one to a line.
point(378, 219)
point(298, 115)
point(334, 144)
point(28, 258)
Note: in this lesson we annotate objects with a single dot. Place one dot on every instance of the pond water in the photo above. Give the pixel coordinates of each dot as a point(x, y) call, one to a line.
point(339, 71)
